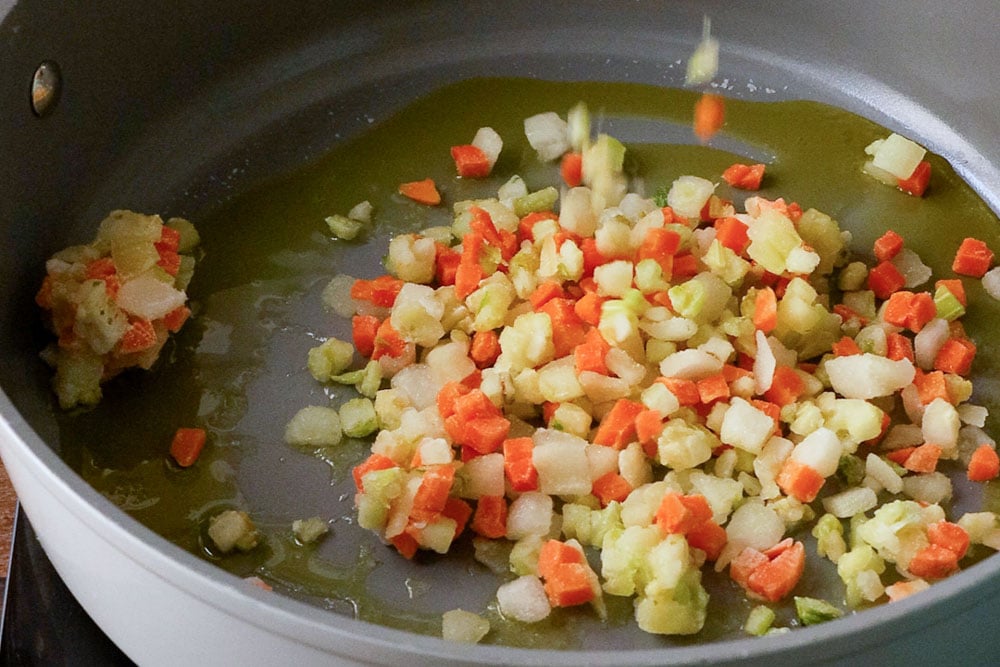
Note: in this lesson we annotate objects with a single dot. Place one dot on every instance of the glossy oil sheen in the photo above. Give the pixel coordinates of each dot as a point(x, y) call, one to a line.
point(238, 368)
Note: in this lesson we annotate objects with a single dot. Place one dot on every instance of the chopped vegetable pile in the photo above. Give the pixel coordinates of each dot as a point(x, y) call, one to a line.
point(114, 302)
point(627, 390)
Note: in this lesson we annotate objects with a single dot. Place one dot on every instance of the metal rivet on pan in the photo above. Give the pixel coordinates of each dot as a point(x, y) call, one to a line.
point(45, 87)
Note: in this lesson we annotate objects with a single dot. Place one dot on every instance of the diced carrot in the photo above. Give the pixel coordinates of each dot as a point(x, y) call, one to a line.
point(847, 314)
point(898, 347)
point(170, 239)
point(372, 463)
point(422, 192)
point(744, 564)
point(648, 426)
point(571, 169)
point(765, 310)
point(481, 222)
point(590, 354)
point(799, 480)
point(685, 390)
point(554, 554)
point(485, 434)
point(931, 385)
point(140, 335)
point(916, 183)
point(973, 258)
point(884, 279)
point(685, 265)
point(772, 410)
point(713, 388)
point(549, 289)
point(955, 286)
point(471, 161)
point(176, 318)
point(923, 458)
point(384, 290)
point(588, 308)
point(984, 464)
point(845, 347)
point(446, 262)
point(592, 257)
point(467, 277)
point(187, 444)
point(435, 486)
point(617, 429)
point(660, 244)
point(678, 514)
point(490, 519)
point(447, 397)
point(775, 579)
point(949, 535)
point(459, 511)
point(388, 342)
point(405, 544)
point(888, 246)
point(910, 310)
point(569, 585)
point(743, 176)
point(528, 222)
point(363, 330)
point(519, 465)
point(708, 536)
point(485, 348)
point(786, 387)
point(100, 268)
point(475, 404)
point(956, 356)
point(611, 487)
point(709, 115)
point(933, 562)
point(904, 589)
point(732, 373)
point(568, 330)
point(732, 233)
point(169, 261)
point(900, 455)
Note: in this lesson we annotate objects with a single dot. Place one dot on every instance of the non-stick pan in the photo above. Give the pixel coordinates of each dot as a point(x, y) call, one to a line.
point(183, 108)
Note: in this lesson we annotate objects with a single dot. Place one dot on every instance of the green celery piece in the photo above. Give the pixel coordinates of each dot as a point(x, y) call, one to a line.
point(813, 610)
point(947, 304)
point(759, 620)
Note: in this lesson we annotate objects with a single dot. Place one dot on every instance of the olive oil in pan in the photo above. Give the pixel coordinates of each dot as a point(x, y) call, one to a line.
point(238, 367)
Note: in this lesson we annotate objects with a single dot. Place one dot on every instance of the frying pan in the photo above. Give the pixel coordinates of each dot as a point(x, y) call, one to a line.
point(183, 106)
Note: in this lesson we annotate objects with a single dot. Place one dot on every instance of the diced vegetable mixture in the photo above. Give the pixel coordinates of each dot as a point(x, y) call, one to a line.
point(628, 390)
point(114, 302)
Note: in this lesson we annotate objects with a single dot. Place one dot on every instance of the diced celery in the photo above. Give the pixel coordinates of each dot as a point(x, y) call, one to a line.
point(314, 426)
point(703, 64)
point(578, 120)
point(524, 555)
point(458, 625)
point(540, 200)
point(309, 530)
point(829, 534)
point(759, 620)
point(233, 529)
point(812, 610)
point(371, 379)
point(190, 238)
point(357, 417)
point(947, 304)
point(343, 227)
point(330, 358)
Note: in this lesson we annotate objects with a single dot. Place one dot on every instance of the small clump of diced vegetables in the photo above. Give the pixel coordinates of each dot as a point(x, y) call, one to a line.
point(113, 303)
point(629, 390)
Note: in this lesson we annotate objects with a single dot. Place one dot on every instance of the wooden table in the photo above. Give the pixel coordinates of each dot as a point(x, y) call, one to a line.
point(8, 504)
